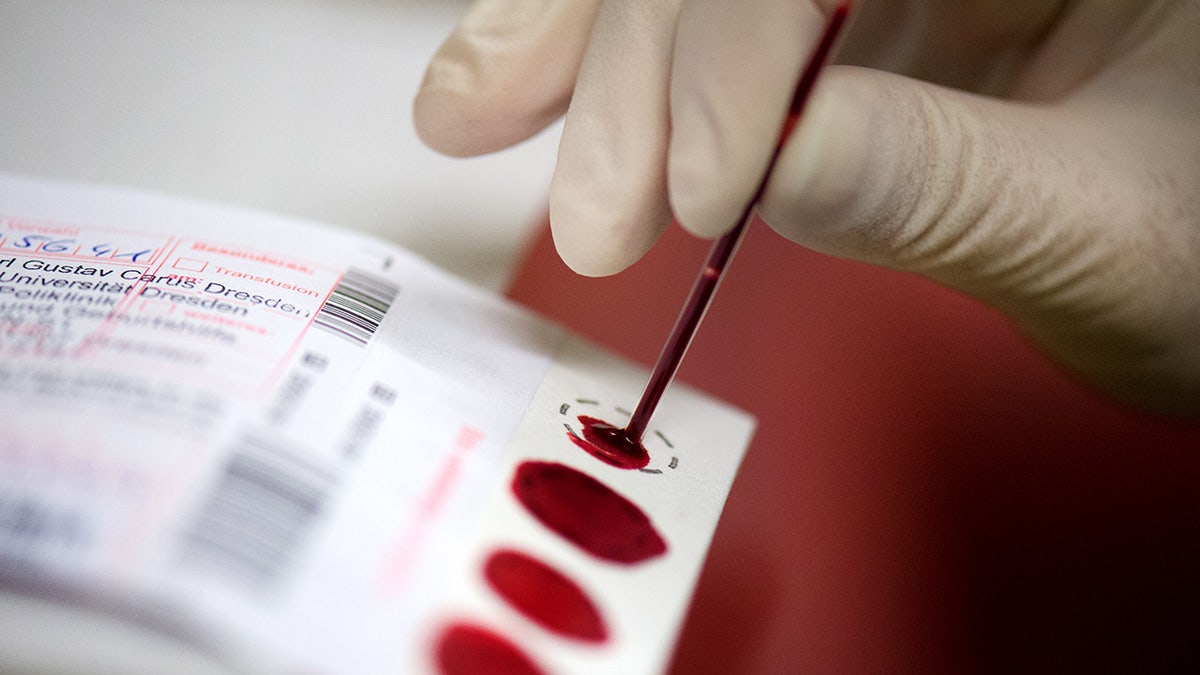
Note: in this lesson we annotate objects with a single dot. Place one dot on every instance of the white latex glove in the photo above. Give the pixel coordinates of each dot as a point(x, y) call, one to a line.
point(1043, 156)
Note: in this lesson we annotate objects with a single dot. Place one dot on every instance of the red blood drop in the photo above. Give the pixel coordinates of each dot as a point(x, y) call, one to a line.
point(545, 595)
point(466, 649)
point(587, 512)
point(610, 444)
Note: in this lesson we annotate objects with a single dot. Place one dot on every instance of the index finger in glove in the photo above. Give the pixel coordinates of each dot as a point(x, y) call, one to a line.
point(608, 200)
point(734, 69)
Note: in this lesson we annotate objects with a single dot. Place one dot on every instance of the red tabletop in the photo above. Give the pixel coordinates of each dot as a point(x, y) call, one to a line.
point(925, 492)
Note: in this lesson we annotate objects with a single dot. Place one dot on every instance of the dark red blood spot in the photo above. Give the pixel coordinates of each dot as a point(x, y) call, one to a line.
point(545, 595)
point(587, 512)
point(466, 649)
point(610, 444)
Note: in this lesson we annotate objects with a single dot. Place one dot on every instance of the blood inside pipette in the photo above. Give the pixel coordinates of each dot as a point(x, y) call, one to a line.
point(623, 443)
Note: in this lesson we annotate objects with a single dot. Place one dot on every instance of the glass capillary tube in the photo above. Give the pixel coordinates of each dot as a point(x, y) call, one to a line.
point(722, 251)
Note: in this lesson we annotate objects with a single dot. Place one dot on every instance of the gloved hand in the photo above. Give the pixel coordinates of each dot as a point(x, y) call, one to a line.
point(1043, 156)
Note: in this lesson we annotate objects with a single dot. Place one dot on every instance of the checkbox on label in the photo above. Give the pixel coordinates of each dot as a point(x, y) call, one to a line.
point(189, 264)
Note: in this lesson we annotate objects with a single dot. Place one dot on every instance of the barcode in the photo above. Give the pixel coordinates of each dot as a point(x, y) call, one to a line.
point(253, 524)
point(28, 522)
point(356, 306)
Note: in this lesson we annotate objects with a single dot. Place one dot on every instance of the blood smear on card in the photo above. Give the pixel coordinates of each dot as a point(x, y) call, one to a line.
point(587, 512)
point(467, 649)
point(545, 595)
point(610, 444)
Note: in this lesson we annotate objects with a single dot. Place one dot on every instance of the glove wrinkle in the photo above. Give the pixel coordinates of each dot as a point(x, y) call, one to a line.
point(1036, 210)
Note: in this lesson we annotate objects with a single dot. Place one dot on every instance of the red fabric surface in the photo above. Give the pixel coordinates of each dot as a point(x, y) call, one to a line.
point(925, 492)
